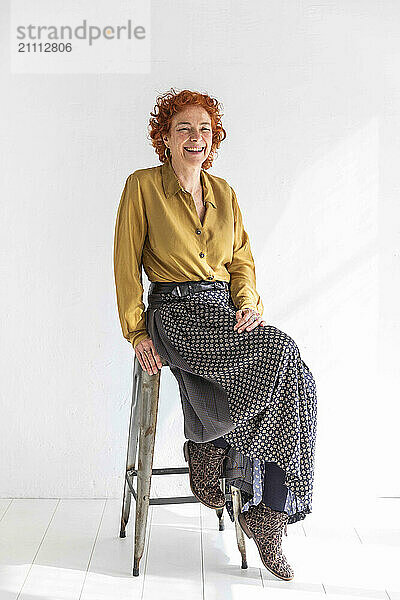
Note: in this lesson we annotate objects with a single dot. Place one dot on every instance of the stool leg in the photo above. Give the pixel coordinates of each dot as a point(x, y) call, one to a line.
point(132, 445)
point(147, 431)
point(237, 507)
point(220, 511)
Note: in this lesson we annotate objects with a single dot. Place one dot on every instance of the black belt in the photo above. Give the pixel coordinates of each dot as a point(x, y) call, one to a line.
point(180, 289)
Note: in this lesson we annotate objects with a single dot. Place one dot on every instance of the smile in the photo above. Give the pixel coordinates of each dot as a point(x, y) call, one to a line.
point(194, 149)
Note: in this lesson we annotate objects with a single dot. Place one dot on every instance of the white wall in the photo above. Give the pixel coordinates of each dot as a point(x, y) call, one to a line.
point(310, 93)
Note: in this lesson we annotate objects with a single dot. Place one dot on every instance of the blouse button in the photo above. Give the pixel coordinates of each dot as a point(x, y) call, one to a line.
point(201, 254)
point(198, 231)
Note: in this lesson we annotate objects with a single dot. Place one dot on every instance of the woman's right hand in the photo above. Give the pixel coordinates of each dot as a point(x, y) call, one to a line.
point(148, 356)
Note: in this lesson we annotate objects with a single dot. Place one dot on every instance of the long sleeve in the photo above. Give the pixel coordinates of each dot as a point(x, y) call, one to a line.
point(241, 268)
point(130, 234)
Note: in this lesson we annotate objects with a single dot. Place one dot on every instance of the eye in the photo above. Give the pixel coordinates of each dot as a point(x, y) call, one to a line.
point(187, 128)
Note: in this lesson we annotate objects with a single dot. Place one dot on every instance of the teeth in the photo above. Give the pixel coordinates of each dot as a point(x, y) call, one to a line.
point(195, 149)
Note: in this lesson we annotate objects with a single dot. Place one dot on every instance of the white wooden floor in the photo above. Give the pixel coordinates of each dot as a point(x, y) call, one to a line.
point(70, 549)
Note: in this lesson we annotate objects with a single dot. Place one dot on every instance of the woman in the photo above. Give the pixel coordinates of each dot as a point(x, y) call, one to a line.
point(249, 400)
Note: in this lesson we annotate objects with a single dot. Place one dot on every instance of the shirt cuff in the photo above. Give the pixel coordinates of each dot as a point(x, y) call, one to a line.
point(135, 338)
point(246, 304)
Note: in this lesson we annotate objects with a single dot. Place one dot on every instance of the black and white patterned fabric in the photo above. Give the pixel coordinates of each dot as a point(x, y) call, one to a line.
point(252, 388)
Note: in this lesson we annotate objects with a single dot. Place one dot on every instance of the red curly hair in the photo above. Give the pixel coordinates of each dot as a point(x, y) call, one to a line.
point(170, 103)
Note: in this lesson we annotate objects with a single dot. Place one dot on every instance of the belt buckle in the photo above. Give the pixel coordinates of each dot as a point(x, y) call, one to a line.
point(176, 291)
point(185, 289)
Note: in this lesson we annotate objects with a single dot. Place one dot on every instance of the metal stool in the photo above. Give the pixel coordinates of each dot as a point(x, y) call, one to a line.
point(142, 428)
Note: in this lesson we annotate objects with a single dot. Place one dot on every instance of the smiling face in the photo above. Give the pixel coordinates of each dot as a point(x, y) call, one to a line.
point(190, 136)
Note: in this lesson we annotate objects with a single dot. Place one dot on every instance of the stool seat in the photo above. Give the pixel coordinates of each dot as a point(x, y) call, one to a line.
point(141, 439)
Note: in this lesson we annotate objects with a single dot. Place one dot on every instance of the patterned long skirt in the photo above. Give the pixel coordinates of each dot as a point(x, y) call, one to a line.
point(252, 388)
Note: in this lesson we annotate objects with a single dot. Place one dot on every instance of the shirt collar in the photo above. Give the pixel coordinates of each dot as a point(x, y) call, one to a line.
point(172, 185)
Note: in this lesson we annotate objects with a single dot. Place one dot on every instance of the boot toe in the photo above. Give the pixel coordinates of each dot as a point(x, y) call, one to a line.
point(282, 568)
point(266, 526)
point(204, 461)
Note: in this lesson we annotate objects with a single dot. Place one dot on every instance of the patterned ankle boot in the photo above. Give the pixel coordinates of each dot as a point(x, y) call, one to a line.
point(265, 526)
point(205, 469)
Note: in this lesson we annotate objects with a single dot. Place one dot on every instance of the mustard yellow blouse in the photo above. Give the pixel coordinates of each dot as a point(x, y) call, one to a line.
point(158, 226)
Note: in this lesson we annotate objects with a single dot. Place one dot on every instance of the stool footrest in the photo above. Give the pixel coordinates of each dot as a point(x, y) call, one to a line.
point(166, 471)
point(173, 500)
point(169, 499)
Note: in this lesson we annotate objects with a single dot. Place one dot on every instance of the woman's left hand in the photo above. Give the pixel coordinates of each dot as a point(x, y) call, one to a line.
point(248, 319)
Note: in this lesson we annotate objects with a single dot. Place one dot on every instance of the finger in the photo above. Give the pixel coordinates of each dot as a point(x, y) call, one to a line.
point(152, 369)
point(243, 319)
point(241, 324)
point(152, 363)
point(244, 326)
point(253, 325)
point(146, 361)
point(158, 360)
point(157, 357)
point(139, 357)
point(239, 318)
point(143, 362)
